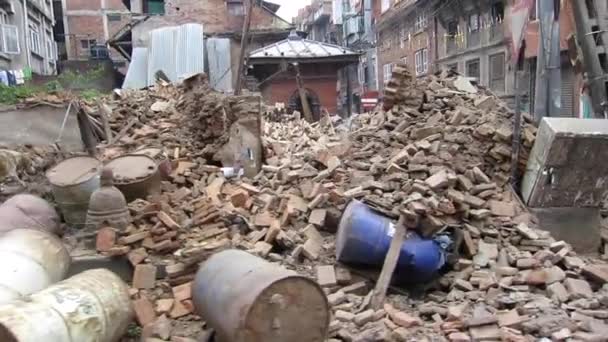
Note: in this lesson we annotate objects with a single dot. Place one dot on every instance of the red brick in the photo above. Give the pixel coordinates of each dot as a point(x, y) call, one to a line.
point(106, 239)
point(144, 277)
point(164, 305)
point(181, 309)
point(144, 311)
point(182, 292)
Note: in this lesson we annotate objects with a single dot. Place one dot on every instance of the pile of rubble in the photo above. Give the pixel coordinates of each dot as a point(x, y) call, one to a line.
point(440, 152)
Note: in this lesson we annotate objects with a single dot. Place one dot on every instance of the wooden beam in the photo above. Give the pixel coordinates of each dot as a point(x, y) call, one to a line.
point(303, 99)
point(390, 263)
point(244, 45)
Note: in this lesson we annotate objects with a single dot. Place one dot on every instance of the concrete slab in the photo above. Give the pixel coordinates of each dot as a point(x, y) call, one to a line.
point(578, 226)
point(39, 126)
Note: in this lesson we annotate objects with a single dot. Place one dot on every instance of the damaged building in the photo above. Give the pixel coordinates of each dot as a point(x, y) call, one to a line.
point(286, 68)
point(125, 25)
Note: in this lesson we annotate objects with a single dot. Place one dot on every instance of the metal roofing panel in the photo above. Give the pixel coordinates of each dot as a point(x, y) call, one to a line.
point(190, 51)
point(218, 60)
point(137, 75)
point(162, 54)
point(301, 48)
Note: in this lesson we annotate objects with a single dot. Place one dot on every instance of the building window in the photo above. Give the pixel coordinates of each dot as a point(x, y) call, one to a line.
point(50, 51)
point(235, 7)
point(421, 22)
point(422, 62)
point(114, 17)
point(35, 46)
point(10, 39)
point(498, 12)
point(402, 37)
point(474, 22)
point(473, 69)
point(387, 72)
point(154, 7)
point(497, 72)
point(86, 44)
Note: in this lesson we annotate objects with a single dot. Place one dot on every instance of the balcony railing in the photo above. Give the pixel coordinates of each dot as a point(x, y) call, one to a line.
point(452, 45)
point(473, 39)
point(497, 32)
point(323, 12)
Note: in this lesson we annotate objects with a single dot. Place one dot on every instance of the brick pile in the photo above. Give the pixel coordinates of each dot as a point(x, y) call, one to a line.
point(444, 159)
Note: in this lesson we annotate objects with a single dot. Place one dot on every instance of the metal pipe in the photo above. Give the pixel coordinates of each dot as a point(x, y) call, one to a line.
point(31, 261)
point(246, 299)
point(93, 306)
point(26, 31)
point(28, 212)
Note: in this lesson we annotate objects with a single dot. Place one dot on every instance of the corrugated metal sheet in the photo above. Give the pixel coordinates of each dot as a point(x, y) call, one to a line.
point(177, 51)
point(293, 47)
point(191, 51)
point(218, 60)
point(162, 53)
point(137, 75)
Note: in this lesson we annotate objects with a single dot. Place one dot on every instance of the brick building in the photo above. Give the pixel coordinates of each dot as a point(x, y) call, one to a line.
point(352, 24)
point(86, 24)
point(571, 80)
point(406, 35)
point(472, 40)
point(318, 63)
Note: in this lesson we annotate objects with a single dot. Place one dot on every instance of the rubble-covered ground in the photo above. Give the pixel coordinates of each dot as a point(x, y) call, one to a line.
point(441, 154)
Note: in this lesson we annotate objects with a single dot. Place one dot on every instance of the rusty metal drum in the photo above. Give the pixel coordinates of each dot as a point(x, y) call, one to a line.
point(73, 181)
point(31, 261)
point(28, 212)
point(136, 176)
point(93, 306)
point(246, 299)
point(161, 158)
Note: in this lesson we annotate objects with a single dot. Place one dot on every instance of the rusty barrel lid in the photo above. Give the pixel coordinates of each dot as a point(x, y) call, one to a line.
point(156, 153)
point(74, 171)
point(132, 168)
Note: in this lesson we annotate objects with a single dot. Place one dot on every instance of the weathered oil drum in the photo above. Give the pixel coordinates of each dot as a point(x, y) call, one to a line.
point(31, 261)
point(364, 237)
point(162, 160)
point(246, 299)
point(28, 212)
point(136, 176)
point(73, 181)
point(93, 306)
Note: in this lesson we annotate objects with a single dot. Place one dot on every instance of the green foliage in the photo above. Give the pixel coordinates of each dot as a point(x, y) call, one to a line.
point(12, 95)
point(133, 331)
point(90, 94)
point(67, 80)
point(72, 78)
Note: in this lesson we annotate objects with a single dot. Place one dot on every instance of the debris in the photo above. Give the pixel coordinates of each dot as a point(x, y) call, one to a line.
point(144, 277)
point(326, 276)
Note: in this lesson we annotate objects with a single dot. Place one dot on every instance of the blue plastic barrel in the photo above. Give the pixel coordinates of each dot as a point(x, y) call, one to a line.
point(364, 237)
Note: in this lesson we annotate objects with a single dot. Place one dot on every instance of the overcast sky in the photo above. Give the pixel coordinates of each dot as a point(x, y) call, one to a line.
point(289, 8)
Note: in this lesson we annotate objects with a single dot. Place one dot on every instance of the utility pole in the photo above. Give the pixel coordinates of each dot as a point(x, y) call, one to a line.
point(244, 44)
point(303, 97)
point(548, 68)
point(593, 67)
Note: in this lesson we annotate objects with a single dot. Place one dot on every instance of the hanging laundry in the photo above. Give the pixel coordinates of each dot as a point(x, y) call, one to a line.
point(12, 81)
point(20, 76)
point(4, 77)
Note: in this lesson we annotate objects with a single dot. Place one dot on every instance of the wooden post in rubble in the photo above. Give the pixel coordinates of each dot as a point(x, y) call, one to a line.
point(303, 98)
point(390, 262)
point(244, 44)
